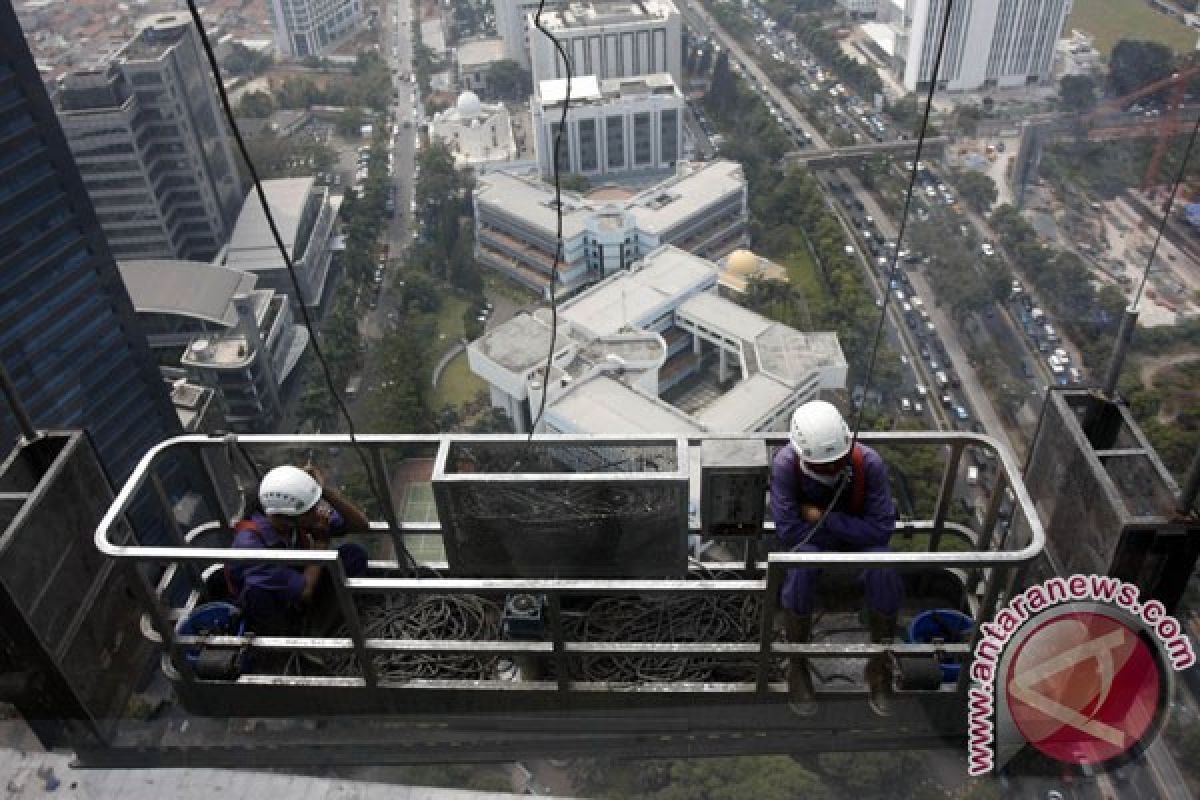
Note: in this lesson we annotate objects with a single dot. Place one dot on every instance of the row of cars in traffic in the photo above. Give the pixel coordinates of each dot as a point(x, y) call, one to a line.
point(916, 317)
point(1042, 337)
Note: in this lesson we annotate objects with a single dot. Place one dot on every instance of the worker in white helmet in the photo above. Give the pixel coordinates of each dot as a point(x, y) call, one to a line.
point(806, 476)
point(297, 510)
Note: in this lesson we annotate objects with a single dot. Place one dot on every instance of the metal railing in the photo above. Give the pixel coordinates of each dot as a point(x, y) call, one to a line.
point(989, 571)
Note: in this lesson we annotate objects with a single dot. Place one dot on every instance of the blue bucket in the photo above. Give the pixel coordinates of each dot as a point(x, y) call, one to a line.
point(946, 624)
point(210, 618)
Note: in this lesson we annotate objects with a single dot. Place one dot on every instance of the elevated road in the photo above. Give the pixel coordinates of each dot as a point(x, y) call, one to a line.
point(839, 156)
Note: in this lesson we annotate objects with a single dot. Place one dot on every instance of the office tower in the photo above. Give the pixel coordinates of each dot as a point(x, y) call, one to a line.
point(147, 131)
point(609, 39)
point(311, 27)
point(989, 44)
point(616, 126)
point(68, 335)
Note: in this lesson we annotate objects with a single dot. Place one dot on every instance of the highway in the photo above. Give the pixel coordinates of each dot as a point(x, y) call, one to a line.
point(701, 21)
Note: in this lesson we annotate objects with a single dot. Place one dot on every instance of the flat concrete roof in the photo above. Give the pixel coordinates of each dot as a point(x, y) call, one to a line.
point(518, 344)
point(187, 288)
point(533, 202)
point(663, 206)
point(791, 355)
point(251, 247)
point(630, 296)
point(743, 406)
point(480, 51)
point(554, 91)
point(603, 404)
point(728, 318)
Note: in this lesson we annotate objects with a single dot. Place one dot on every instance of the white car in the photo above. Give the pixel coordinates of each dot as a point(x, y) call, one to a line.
point(987, 249)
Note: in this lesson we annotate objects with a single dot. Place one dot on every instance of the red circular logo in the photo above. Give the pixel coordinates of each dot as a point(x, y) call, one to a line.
point(1084, 687)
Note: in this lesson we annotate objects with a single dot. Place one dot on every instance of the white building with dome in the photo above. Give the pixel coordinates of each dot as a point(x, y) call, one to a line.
point(655, 349)
point(741, 266)
point(477, 133)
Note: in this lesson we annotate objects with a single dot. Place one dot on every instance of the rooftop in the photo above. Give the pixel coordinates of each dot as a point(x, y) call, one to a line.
point(607, 12)
point(187, 288)
point(656, 209)
point(627, 297)
point(602, 403)
point(251, 247)
point(156, 35)
point(517, 344)
point(587, 90)
point(480, 51)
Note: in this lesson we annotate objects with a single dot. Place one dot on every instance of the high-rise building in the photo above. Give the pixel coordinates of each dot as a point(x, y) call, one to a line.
point(311, 27)
point(69, 338)
point(511, 19)
point(147, 133)
point(990, 43)
point(223, 330)
point(609, 39)
point(616, 126)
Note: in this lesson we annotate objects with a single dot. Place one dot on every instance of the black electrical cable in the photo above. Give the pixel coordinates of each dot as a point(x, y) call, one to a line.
point(409, 562)
point(558, 213)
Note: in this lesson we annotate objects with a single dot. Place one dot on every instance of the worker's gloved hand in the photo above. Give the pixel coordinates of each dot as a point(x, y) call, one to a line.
point(315, 473)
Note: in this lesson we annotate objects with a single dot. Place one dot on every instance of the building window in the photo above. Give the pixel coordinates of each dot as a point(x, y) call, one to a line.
point(643, 145)
point(614, 132)
point(587, 145)
point(668, 126)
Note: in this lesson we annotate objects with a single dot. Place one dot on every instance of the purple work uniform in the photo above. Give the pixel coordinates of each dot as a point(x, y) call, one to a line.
point(269, 594)
point(842, 530)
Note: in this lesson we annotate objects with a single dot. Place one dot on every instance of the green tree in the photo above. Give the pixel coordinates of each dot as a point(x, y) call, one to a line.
point(1134, 64)
point(1077, 93)
point(246, 62)
point(257, 105)
point(967, 118)
point(508, 82)
point(722, 91)
point(977, 188)
point(349, 122)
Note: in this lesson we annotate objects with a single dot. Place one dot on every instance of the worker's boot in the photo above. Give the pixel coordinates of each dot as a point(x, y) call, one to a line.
point(802, 700)
point(879, 673)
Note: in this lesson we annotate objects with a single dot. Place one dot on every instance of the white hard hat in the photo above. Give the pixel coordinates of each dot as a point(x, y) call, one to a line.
point(288, 491)
point(819, 433)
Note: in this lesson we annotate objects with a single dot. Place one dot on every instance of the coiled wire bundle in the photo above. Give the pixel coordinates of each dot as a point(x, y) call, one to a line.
point(680, 619)
point(432, 617)
point(713, 617)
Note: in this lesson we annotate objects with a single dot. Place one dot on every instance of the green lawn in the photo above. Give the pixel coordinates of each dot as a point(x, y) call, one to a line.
point(458, 385)
point(1112, 20)
point(802, 273)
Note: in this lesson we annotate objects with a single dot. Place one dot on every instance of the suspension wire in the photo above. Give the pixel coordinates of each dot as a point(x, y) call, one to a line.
point(558, 214)
point(410, 563)
point(1162, 224)
point(912, 182)
point(844, 478)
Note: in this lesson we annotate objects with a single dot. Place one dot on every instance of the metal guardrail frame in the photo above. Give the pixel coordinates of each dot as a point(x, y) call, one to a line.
point(993, 568)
